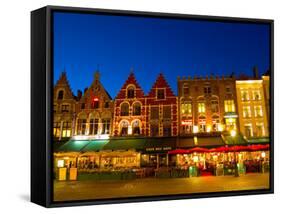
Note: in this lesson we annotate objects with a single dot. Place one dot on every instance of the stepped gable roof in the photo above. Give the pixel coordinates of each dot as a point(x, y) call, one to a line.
point(63, 82)
point(161, 82)
point(131, 80)
point(97, 82)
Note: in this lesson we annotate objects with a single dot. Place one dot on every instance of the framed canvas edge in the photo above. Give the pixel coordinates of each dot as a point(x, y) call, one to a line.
point(49, 64)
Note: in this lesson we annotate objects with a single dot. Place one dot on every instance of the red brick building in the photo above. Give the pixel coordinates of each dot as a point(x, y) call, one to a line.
point(161, 109)
point(129, 109)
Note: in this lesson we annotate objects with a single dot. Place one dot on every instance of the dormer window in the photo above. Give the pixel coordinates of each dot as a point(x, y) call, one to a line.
point(160, 94)
point(131, 92)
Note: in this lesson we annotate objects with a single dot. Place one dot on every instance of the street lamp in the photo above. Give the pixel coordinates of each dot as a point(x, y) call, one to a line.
point(233, 135)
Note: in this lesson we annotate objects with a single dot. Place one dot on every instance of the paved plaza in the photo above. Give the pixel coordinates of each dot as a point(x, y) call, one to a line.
point(83, 190)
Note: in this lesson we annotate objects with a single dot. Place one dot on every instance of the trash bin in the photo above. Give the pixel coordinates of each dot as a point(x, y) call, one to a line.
point(73, 174)
point(62, 174)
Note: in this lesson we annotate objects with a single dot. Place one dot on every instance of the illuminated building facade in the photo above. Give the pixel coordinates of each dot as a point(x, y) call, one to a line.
point(129, 109)
point(207, 104)
point(266, 88)
point(94, 111)
point(161, 110)
point(63, 108)
point(252, 103)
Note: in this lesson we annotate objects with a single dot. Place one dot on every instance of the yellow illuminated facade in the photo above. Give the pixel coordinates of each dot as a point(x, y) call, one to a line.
point(253, 118)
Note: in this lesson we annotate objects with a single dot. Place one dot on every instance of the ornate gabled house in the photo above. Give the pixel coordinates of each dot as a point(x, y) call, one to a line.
point(161, 109)
point(63, 109)
point(94, 111)
point(129, 109)
point(207, 105)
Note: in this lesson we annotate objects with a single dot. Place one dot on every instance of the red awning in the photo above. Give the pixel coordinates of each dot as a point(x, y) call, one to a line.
point(178, 151)
point(236, 148)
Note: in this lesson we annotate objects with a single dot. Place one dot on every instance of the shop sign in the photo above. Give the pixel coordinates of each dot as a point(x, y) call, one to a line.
point(157, 149)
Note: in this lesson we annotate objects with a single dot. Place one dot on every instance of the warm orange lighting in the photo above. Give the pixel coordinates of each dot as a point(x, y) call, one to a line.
point(195, 129)
point(233, 133)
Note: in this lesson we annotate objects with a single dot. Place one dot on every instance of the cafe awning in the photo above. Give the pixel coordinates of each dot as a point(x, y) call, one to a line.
point(125, 144)
point(73, 146)
point(94, 146)
point(237, 140)
point(260, 140)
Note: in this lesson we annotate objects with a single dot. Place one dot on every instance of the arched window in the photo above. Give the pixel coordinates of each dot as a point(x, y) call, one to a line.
point(60, 95)
point(137, 109)
point(215, 122)
point(124, 109)
point(136, 127)
point(131, 92)
point(124, 128)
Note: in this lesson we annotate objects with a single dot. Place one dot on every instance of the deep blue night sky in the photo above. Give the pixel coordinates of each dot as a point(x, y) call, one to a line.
point(152, 45)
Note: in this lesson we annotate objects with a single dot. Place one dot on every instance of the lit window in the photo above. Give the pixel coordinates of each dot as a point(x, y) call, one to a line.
point(229, 106)
point(248, 130)
point(105, 126)
point(81, 126)
point(245, 95)
point(66, 129)
point(186, 108)
point(256, 95)
point(57, 129)
point(125, 109)
point(201, 108)
point(94, 126)
point(260, 129)
point(258, 111)
point(136, 127)
point(160, 94)
point(124, 128)
point(246, 111)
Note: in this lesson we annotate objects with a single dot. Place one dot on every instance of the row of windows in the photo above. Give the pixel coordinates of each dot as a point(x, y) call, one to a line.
point(63, 108)
point(125, 109)
point(229, 106)
point(93, 126)
point(245, 95)
point(95, 105)
point(259, 131)
point(247, 111)
point(131, 93)
point(206, 89)
point(62, 129)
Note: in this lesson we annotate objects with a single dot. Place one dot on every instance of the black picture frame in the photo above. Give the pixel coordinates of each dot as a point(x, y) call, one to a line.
point(41, 105)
